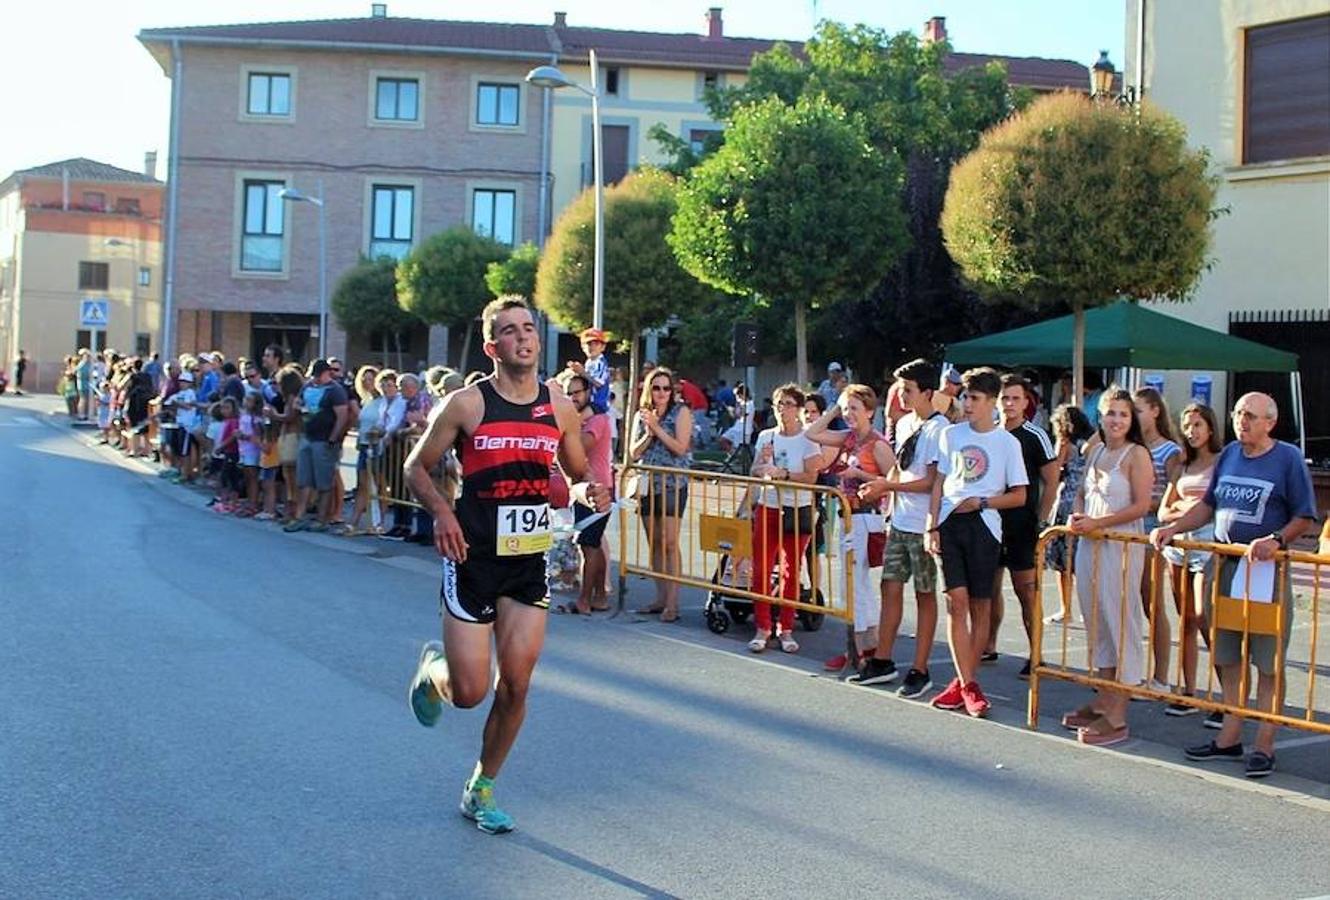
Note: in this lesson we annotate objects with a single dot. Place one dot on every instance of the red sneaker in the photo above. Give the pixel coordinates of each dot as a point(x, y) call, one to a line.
point(951, 696)
point(976, 704)
point(835, 664)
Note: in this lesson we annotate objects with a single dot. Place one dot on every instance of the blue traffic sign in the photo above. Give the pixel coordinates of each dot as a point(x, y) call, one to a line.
point(94, 313)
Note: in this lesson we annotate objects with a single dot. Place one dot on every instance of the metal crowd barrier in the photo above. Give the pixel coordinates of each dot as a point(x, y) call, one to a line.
point(1242, 614)
point(388, 462)
point(716, 540)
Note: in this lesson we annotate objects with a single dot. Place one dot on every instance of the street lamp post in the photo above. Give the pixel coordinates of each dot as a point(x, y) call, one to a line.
point(294, 196)
point(551, 77)
point(1101, 82)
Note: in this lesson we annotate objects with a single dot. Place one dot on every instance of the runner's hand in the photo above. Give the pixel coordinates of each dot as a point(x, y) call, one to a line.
point(448, 539)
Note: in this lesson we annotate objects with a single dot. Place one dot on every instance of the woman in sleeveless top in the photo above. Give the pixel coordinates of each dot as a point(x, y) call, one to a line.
point(1166, 461)
point(1114, 496)
point(1071, 429)
point(1200, 449)
point(662, 434)
point(865, 455)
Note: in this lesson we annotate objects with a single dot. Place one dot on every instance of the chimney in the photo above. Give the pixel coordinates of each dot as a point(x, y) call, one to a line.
point(150, 164)
point(715, 27)
point(935, 29)
point(561, 20)
point(378, 10)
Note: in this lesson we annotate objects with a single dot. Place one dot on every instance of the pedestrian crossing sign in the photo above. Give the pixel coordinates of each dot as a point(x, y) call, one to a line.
point(94, 313)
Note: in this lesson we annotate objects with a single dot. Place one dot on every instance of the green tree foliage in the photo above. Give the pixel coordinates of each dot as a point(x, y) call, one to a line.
point(365, 300)
point(516, 274)
point(443, 279)
point(796, 207)
point(916, 109)
point(1083, 202)
point(644, 283)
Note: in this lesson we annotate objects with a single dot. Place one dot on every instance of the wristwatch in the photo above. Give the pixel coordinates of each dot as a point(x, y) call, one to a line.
point(983, 503)
point(1278, 538)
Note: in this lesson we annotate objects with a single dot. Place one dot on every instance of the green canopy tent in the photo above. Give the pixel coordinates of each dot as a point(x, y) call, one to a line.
point(1127, 335)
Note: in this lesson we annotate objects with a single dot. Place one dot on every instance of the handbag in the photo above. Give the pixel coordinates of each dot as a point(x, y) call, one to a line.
point(796, 520)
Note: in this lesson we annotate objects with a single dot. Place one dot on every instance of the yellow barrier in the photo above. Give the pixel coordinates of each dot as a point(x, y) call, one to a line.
point(1242, 614)
point(716, 540)
point(389, 462)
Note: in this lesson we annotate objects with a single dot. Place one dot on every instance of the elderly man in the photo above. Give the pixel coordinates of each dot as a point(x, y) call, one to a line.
point(946, 399)
point(1260, 495)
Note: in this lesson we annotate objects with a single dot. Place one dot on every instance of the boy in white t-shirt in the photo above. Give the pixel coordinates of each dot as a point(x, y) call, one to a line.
point(982, 472)
point(184, 402)
point(918, 433)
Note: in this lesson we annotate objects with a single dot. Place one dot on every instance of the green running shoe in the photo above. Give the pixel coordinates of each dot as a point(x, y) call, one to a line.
point(478, 806)
point(426, 709)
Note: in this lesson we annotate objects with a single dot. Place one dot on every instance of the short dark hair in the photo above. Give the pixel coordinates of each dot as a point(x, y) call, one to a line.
point(1013, 379)
point(817, 400)
point(569, 377)
point(228, 368)
point(921, 372)
point(276, 352)
point(496, 306)
point(983, 380)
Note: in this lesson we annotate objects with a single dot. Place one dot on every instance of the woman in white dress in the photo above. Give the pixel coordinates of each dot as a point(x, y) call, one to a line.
point(1115, 495)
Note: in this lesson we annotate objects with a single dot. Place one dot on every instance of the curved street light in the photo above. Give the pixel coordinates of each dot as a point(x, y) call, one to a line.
point(552, 78)
point(291, 195)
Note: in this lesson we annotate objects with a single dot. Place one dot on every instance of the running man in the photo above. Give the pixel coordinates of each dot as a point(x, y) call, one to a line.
point(507, 429)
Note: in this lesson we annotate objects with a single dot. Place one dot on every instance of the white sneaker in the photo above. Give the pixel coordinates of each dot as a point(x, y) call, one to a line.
point(1158, 686)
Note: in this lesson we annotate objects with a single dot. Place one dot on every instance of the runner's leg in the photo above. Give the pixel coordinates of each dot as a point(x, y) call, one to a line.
point(519, 635)
point(464, 679)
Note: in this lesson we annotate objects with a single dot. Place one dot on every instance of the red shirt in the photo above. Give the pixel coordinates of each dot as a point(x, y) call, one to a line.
point(692, 394)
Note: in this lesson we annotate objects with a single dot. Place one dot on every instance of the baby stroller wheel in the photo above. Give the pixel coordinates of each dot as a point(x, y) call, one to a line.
point(811, 621)
point(739, 611)
point(718, 621)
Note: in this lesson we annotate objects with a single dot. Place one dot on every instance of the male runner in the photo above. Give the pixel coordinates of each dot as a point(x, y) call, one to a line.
point(506, 428)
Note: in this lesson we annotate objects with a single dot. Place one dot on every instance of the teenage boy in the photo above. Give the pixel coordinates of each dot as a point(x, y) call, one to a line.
point(596, 369)
point(982, 473)
point(918, 434)
point(1021, 526)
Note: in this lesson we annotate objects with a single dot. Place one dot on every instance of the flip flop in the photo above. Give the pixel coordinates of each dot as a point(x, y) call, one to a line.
point(649, 610)
point(604, 607)
point(570, 609)
point(1080, 718)
point(1102, 733)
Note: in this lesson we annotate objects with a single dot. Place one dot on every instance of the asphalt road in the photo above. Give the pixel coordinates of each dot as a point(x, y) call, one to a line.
point(194, 705)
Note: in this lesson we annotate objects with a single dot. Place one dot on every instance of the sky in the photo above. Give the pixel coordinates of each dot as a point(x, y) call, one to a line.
point(78, 82)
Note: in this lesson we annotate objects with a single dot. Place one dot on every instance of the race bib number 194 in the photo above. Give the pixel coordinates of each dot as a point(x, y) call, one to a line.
point(523, 529)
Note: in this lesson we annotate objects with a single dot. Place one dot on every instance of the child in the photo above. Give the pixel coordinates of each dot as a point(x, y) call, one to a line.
point(104, 411)
point(270, 461)
point(183, 401)
point(226, 455)
point(248, 441)
point(981, 471)
point(596, 369)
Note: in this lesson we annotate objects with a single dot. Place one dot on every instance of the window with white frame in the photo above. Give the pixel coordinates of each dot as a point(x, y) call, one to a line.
point(493, 214)
point(269, 94)
point(392, 220)
point(262, 227)
point(497, 104)
point(397, 99)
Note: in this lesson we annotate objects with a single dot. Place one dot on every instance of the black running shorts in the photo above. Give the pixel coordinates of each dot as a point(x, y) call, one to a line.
point(471, 590)
point(970, 555)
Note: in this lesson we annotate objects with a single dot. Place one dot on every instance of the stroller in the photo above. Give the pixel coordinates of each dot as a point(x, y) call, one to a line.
point(735, 570)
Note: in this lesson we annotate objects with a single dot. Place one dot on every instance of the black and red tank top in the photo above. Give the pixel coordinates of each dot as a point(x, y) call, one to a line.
point(504, 508)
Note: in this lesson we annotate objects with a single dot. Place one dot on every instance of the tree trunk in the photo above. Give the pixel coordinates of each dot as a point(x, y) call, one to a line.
point(397, 346)
point(466, 346)
point(1077, 352)
point(800, 342)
